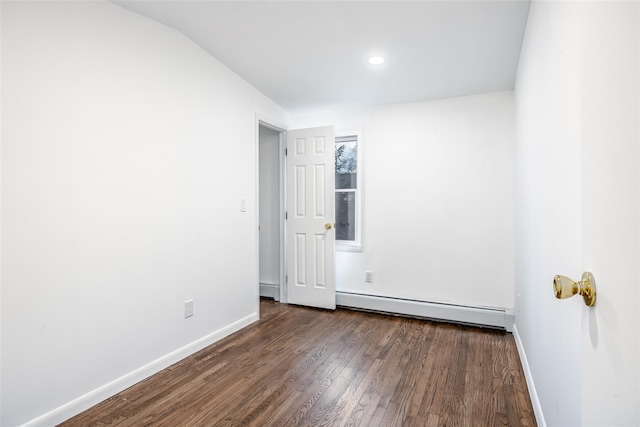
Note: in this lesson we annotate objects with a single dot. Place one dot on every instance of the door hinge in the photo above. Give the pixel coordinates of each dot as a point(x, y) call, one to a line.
point(286, 216)
point(285, 152)
point(286, 279)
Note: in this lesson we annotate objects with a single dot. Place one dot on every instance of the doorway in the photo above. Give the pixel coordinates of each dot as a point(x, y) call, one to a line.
point(301, 249)
point(271, 211)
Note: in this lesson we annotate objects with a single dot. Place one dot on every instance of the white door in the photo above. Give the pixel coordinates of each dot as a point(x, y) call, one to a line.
point(610, 214)
point(310, 217)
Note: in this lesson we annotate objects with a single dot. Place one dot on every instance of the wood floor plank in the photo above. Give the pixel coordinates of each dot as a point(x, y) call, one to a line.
point(438, 365)
point(300, 366)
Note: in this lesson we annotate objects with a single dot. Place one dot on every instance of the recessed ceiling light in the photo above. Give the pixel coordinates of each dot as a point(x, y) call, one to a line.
point(376, 60)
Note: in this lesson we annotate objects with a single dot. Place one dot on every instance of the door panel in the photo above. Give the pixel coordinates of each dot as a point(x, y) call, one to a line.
point(311, 257)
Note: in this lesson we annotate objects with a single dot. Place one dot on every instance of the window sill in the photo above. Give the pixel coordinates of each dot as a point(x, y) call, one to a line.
point(341, 247)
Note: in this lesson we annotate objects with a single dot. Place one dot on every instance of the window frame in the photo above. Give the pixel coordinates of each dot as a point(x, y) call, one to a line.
point(355, 245)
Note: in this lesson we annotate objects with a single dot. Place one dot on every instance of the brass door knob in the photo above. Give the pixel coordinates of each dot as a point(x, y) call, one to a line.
point(564, 287)
point(328, 226)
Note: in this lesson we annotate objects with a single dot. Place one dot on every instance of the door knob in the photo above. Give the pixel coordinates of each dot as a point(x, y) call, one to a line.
point(564, 287)
point(328, 226)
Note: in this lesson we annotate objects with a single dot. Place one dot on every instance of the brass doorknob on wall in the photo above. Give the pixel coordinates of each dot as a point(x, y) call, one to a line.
point(564, 287)
point(328, 226)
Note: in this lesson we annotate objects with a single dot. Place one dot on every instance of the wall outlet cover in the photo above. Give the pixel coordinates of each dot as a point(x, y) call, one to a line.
point(188, 308)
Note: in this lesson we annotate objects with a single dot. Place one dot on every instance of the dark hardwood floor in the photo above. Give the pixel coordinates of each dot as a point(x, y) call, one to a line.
point(305, 367)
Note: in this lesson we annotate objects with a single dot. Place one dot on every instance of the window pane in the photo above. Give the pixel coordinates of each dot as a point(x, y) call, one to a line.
point(345, 215)
point(346, 164)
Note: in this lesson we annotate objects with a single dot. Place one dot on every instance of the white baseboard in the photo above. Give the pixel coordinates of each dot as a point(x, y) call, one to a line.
point(270, 290)
point(481, 316)
point(533, 394)
point(86, 401)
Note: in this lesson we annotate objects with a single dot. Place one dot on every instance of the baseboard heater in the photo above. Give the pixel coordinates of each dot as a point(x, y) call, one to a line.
point(270, 290)
point(478, 316)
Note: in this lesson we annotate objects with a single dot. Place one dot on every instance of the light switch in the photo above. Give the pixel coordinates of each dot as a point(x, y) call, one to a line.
point(243, 205)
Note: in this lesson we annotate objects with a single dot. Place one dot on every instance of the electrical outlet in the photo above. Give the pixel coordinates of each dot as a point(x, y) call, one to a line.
point(188, 308)
point(368, 276)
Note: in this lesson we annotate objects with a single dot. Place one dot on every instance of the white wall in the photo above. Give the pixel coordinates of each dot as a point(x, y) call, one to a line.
point(548, 205)
point(438, 200)
point(578, 210)
point(269, 206)
point(125, 152)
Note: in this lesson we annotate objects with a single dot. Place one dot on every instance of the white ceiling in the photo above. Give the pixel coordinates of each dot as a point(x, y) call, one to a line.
point(311, 54)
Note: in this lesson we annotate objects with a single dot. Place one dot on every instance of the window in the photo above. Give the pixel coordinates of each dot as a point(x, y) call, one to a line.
point(347, 193)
